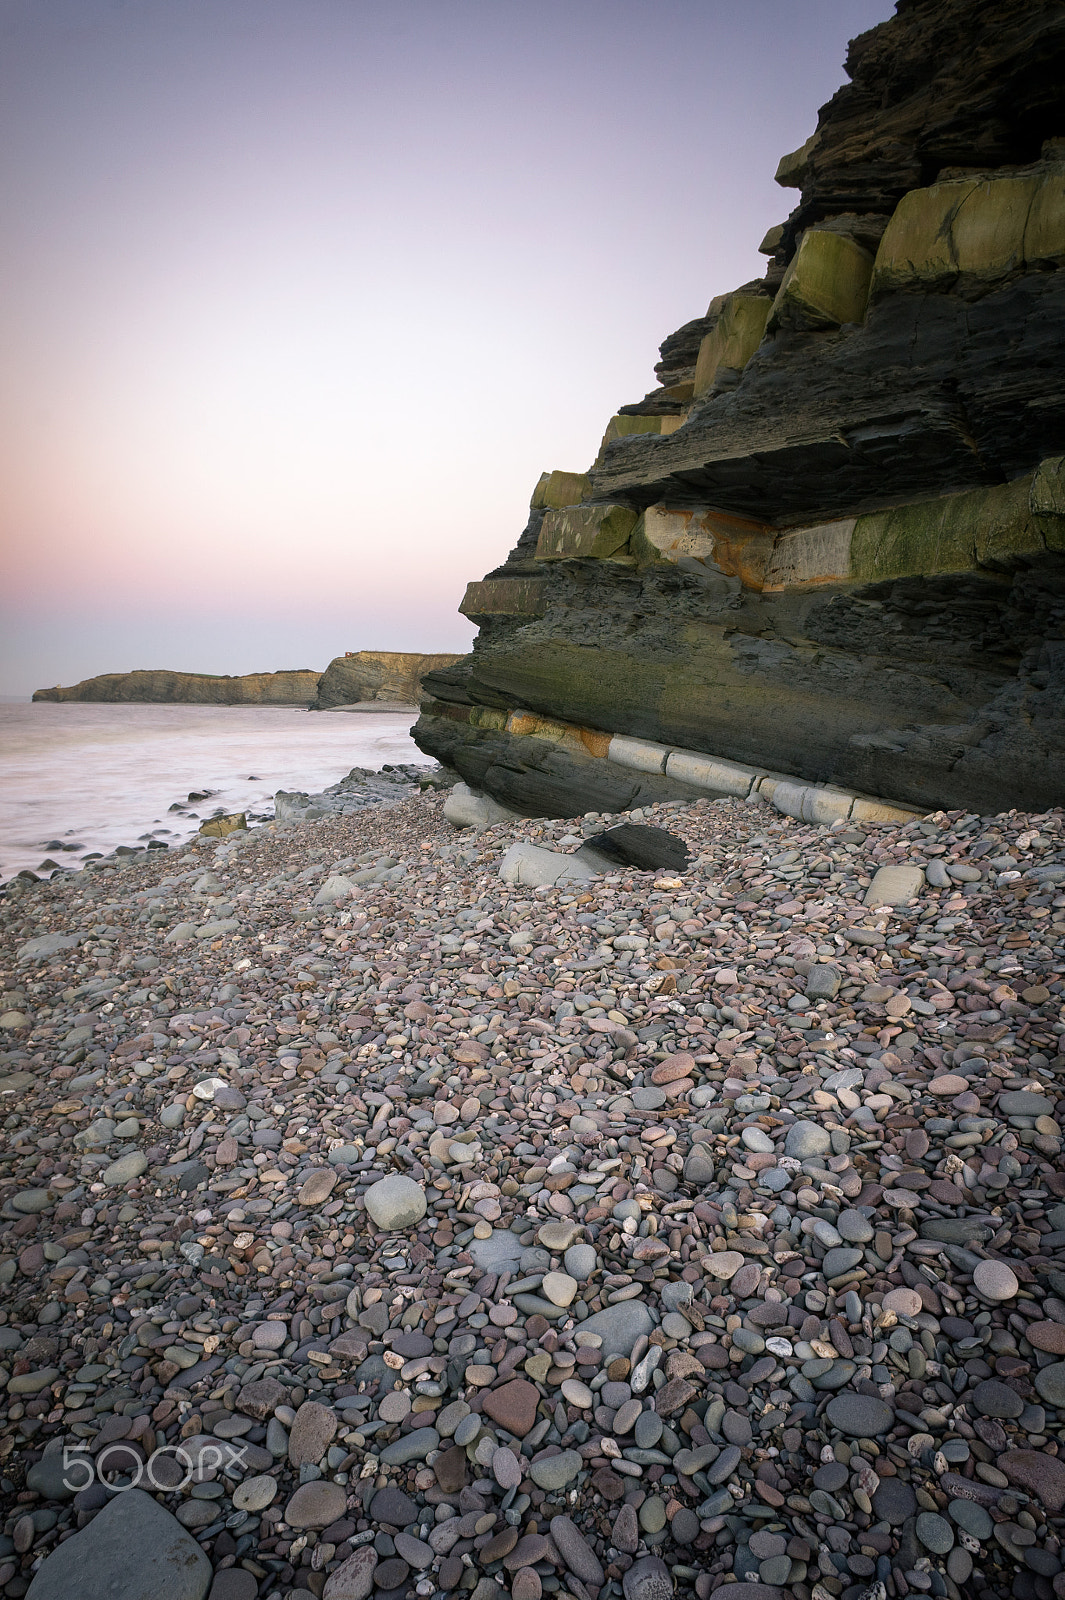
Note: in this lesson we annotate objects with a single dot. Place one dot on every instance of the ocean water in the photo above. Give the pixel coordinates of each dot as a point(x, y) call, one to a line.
point(97, 776)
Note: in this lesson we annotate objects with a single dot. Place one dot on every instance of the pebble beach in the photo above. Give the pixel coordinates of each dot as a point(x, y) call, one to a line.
point(672, 1231)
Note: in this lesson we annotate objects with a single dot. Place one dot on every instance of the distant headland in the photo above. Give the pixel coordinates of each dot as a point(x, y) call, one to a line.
point(385, 676)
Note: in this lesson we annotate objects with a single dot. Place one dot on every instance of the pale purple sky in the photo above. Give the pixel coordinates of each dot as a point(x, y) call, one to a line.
point(301, 296)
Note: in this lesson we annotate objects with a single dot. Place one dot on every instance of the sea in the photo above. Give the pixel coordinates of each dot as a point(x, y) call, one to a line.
point(77, 778)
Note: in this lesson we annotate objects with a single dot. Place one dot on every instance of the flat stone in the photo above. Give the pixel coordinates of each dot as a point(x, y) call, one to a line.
point(316, 1505)
point(948, 1083)
point(49, 1477)
point(895, 886)
point(506, 1468)
point(514, 1404)
point(125, 1170)
point(854, 1228)
point(260, 1398)
point(1050, 1384)
point(904, 1302)
point(318, 1187)
point(234, 1583)
point(648, 1579)
point(619, 1326)
point(95, 1564)
point(1037, 1473)
point(844, 1258)
point(500, 1252)
point(576, 1552)
point(723, 1264)
point(270, 1336)
point(557, 1236)
point(861, 1416)
point(414, 1446)
point(1048, 1336)
point(576, 1393)
point(391, 1505)
point(396, 1202)
point(993, 1398)
point(312, 1433)
point(354, 1578)
point(1025, 1103)
point(673, 1068)
point(415, 1552)
point(971, 1518)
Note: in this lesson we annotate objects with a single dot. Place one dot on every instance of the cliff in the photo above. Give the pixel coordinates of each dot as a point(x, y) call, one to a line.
point(385, 675)
point(831, 543)
point(160, 687)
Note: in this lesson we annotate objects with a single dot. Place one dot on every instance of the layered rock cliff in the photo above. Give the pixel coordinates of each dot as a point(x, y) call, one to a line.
point(161, 687)
point(376, 675)
point(831, 543)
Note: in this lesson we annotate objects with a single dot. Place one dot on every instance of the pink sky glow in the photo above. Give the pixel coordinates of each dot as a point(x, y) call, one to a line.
point(301, 296)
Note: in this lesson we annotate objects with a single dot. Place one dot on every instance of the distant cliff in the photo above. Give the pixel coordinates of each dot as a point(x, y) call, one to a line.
point(376, 675)
point(158, 686)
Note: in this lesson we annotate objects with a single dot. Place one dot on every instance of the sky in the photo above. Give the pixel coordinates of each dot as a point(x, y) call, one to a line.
point(300, 297)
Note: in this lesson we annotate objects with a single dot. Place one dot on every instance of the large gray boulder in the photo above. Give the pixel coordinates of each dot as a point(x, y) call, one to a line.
point(531, 864)
point(464, 808)
point(131, 1550)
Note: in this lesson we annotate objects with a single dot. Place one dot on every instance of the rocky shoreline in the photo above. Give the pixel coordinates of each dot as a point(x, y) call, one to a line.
point(395, 1228)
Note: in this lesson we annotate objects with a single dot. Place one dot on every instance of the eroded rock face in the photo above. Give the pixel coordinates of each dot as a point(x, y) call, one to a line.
point(382, 675)
point(848, 555)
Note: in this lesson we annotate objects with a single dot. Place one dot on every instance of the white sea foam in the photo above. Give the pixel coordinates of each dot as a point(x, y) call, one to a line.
point(103, 775)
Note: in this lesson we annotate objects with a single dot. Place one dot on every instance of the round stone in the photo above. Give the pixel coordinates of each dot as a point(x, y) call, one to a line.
point(316, 1505)
point(394, 1406)
point(854, 1228)
point(506, 1468)
point(948, 1083)
point(807, 1139)
point(652, 1514)
point(581, 1261)
point(255, 1494)
point(1048, 1336)
point(861, 1416)
point(894, 1501)
point(649, 1099)
point(1050, 1383)
point(559, 1288)
point(992, 1398)
point(270, 1335)
point(554, 1472)
point(934, 1532)
point(684, 1526)
point(904, 1302)
point(971, 1518)
point(395, 1202)
point(995, 1280)
point(576, 1393)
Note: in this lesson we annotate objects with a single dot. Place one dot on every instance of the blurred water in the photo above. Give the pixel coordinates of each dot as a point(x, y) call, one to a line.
point(102, 775)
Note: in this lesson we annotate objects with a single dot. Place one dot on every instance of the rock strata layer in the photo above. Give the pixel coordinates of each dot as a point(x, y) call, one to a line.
point(832, 542)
